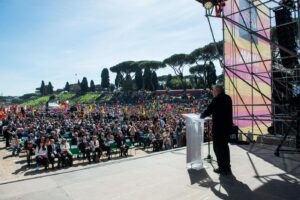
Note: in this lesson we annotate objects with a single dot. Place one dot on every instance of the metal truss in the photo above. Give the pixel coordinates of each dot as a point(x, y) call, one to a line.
point(283, 80)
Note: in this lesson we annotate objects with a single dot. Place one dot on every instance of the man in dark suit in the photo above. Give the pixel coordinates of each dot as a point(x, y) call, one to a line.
point(221, 110)
point(121, 144)
point(85, 148)
point(53, 153)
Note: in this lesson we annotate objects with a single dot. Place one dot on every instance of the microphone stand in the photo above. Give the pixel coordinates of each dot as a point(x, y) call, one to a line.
point(209, 158)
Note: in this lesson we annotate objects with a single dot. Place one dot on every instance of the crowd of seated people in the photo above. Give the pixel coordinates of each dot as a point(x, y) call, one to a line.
point(49, 137)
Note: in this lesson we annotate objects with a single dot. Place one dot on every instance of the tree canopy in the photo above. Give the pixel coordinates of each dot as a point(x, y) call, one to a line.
point(105, 78)
point(153, 65)
point(92, 86)
point(138, 75)
point(178, 62)
point(84, 85)
point(67, 87)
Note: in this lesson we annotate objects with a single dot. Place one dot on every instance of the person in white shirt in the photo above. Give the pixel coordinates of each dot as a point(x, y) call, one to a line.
point(96, 150)
point(66, 154)
point(41, 155)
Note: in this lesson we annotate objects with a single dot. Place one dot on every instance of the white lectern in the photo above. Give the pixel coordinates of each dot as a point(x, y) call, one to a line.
point(194, 141)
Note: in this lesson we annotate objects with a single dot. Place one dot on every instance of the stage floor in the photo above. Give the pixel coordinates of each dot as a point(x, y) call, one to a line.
point(258, 174)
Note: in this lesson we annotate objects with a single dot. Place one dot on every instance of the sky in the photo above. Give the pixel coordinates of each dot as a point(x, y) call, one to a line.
point(66, 40)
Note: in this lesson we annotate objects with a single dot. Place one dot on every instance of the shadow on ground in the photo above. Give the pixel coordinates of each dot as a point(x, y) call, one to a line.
point(288, 162)
point(230, 188)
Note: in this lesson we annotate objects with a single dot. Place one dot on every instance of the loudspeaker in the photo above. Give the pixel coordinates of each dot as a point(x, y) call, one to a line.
point(286, 36)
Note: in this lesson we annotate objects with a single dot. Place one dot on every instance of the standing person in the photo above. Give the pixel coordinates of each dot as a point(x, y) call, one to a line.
point(7, 133)
point(221, 110)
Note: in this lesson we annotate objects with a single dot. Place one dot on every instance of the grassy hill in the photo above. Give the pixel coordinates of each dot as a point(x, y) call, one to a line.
point(71, 97)
point(37, 101)
point(87, 98)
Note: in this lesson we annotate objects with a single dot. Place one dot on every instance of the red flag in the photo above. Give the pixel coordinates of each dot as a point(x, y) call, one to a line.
point(2, 115)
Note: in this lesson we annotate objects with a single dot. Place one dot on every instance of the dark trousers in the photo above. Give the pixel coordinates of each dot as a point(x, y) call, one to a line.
point(221, 149)
point(86, 154)
point(29, 153)
point(124, 150)
point(107, 149)
point(97, 154)
point(40, 160)
point(52, 159)
point(67, 159)
point(7, 139)
point(157, 145)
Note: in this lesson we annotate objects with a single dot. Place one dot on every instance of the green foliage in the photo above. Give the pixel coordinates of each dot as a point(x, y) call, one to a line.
point(105, 78)
point(145, 76)
point(178, 62)
point(153, 65)
point(206, 74)
point(92, 86)
point(87, 98)
point(65, 96)
point(163, 78)
point(207, 53)
point(38, 101)
point(84, 85)
point(220, 79)
point(52, 97)
point(43, 89)
point(126, 67)
point(211, 75)
point(112, 87)
point(118, 80)
point(127, 83)
point(148, 79)
point(49, 88)
point(139, 82)
point(168, 81)
point(176, 84)
point(67, 87)
point(155, 81)
point(107, 98)
point(26, 97)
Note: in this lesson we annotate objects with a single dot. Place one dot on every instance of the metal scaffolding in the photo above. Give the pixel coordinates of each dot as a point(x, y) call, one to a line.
point(283, 106)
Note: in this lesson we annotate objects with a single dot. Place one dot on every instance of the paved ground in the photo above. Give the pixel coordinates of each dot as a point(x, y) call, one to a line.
point(164, 176)
point(15, 167)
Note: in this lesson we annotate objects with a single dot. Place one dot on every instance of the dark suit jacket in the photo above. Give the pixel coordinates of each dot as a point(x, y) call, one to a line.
point(120, 141)
point(221, 110)
point(50, 149)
